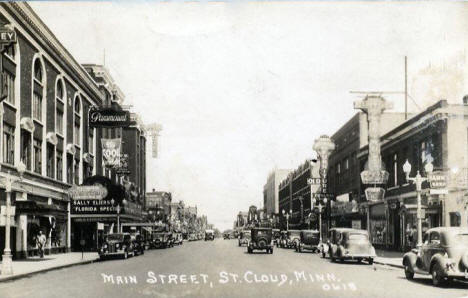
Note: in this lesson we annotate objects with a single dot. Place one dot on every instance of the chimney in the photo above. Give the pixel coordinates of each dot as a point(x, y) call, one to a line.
point(465, 100)
point(154, 190)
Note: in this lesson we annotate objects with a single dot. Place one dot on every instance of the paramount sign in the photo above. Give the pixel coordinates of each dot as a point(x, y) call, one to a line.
point(93, 192)
point(108, 117)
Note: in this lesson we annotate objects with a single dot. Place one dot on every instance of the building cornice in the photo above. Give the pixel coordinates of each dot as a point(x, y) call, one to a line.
point(31, 22)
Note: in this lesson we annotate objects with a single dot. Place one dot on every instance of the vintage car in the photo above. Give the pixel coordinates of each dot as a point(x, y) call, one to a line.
point(244, 237)
point(192, 237)
point(276, 236)
point(209, 235)
point(119, 244)
point(283, 241)
point(170, 239)
point(138, 244)
point(178, 239)
point(310, 240)
point(443, 255)
point(160, 240)
point(350, 244)
point(261, 239)
point(294, 237)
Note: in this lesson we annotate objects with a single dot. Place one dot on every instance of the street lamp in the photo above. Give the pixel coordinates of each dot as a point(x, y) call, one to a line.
point(118, 213)
point(287, 218)
point(418, 180)
point(319, 202)
point(7, 264)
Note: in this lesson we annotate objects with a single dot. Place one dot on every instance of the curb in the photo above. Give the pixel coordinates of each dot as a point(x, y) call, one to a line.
point(388, 264)
point(27, 274)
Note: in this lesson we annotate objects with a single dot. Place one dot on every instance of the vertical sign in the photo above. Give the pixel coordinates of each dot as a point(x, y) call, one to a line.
point(111, 152)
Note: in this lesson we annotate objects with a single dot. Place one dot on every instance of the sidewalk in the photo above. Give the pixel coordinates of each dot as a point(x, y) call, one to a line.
point(390, 258)
point(26, 267)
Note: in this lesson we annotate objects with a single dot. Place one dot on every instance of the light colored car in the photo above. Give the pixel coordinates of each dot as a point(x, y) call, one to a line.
point(350, 244)
point(443, 255)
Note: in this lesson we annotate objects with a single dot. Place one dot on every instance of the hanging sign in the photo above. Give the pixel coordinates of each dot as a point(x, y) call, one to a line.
point(108, 117)
point(88, 192)
point(111, 152)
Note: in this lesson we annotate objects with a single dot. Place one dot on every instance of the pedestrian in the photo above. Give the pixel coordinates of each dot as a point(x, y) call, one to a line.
point(414, 236)
point(41, 240)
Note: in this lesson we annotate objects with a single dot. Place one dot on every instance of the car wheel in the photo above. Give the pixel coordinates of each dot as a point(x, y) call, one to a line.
point(438, 278)
point(359, 260)
point(300, 249)
point(408, 273)
point(249, 250)
point(333, 259)
point(271, 250)
point(341, 260)
point(239, 244)
point(371, 261)
point(102, 258)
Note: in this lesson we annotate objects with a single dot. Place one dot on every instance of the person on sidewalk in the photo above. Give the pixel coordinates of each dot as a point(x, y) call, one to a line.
point(41, 241)
point(414, 237)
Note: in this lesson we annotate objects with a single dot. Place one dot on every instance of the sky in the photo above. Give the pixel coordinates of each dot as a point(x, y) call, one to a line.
point(241, 88)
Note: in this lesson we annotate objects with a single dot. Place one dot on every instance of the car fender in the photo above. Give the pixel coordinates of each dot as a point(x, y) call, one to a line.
point(438, 259)
point(410, 260)
point(333, 249)
point(340, 251)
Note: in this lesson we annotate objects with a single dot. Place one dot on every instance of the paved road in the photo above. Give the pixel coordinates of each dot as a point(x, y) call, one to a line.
point(221, 269)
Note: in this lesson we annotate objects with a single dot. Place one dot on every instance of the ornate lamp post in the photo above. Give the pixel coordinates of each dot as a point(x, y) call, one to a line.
point(7, 265)
point(320, 208)
point(418, 180)
point(288, 214)
point(118, 213)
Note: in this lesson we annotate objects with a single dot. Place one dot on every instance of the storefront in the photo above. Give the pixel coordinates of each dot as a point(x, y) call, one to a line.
point(98, 207)
point(377, 224)
point(345, 215)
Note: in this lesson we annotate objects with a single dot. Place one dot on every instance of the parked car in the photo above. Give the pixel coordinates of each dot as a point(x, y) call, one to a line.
point(244, 237)
point(209, 235)
point(294, 237)
point(310, 240)
point(118, 244)
point(283, 241)
point(170, 239)
point(138, 244)
point(276, 236)
point(178, 239)
point(350, 244)
point(261, 239)
point(160, 240)
point(443, 255)
point(192, 237)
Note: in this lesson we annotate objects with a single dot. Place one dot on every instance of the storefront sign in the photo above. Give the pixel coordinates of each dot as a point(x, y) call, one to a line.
point(111, 152)
point(7, 37)
point(122, 169)
point(131, 208)
point(85, 192)
point(437, 179)
point(341, 208)
point(374, 194)
point(108, 117)
point(93, 207)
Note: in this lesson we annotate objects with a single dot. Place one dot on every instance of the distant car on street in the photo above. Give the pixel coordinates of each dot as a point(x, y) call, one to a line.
point(118, 244)
point(209, 235)
point(138, 244)
point(350, 244)
point(443, 255)
point(244, 237)
point(261, 239)
point(310, 240)
point(160, 240)
point(192, 237)
point(293, 239)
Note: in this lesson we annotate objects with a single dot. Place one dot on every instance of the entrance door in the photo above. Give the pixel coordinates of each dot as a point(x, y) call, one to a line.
point(396, 230)
point(87, 232)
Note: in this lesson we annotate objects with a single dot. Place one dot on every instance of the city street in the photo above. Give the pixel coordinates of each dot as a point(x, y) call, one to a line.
point(209, 269)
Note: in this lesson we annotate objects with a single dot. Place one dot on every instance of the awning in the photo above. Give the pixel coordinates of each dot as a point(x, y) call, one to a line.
point(38, 207)
point(412, 209)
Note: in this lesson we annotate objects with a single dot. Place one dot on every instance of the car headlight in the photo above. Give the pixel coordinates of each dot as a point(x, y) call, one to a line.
point(104, 246)
point(117, 245)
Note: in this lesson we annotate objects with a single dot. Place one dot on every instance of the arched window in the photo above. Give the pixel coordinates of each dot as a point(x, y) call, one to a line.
point(37, 90)
point(77, 120)
point(59, 107)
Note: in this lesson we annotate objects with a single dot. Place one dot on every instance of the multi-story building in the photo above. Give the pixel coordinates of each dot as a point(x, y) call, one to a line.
point(344, 170)
point(295, 194)
point(158, 204)
point(438, 135)
point(270, 190)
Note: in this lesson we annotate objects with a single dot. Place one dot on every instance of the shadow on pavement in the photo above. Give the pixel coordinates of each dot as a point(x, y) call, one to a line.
point(34, 260)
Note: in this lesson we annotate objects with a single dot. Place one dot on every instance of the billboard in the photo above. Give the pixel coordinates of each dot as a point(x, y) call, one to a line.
point(111, 152)
point(108, 117)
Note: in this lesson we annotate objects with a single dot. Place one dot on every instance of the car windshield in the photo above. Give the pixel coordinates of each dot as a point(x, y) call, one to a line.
point(356, 236)
point(115, 237)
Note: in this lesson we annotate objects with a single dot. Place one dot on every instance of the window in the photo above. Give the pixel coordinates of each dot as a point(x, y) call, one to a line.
point(91, 142)
point(59, 166)
point(59, 122)
point(76, 134)
point(10, 51)
point(69, 168)
point(346, 164)
point(37, 156)
point(455, 219)
point(38, 70)
point(50, 160)
point(8, 144)
point(26, 148)
point(9, 87)
point(37, 106)
point(77, 172)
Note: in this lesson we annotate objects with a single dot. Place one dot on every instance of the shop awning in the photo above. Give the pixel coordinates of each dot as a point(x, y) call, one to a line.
point(412, 209)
